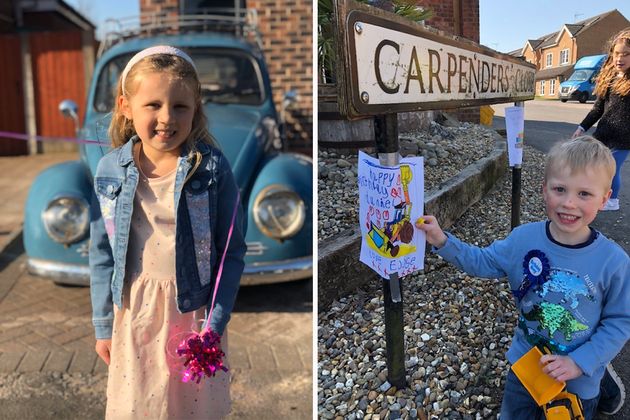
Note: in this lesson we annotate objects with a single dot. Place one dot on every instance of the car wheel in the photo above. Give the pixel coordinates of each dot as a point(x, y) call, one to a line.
point(563, 100)
point(583, 97)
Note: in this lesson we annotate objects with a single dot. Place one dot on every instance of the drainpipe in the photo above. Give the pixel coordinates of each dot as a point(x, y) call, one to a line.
point(458, 23)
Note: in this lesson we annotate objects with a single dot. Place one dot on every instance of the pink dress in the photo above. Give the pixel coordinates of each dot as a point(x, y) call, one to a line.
point(145, 372)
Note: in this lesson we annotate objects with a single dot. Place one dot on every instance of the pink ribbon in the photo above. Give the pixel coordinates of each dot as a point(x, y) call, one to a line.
point(220, 271)
point(20, 136)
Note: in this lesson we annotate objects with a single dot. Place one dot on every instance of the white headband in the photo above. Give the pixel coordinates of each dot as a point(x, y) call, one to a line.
point(160, 49)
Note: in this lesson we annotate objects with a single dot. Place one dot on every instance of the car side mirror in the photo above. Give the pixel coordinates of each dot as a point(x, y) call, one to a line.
point(290, 99)
point(288, 102)
point(69, 109)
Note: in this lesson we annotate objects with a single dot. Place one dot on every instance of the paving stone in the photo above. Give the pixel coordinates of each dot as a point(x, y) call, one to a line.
point(33, 361)
point(238, 357)
point(287, 358)
point(100, 366)
point(83, 362)
point(10, 361)
point(80, 346)
point(13, 333)
point(260, 357)
point(12, 347)
point(49, 331)
point(34, 339)
point(58, 361)
point(305, 349)
point(74, 334)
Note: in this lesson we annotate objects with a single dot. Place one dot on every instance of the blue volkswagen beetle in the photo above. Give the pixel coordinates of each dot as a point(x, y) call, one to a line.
point(276, 187)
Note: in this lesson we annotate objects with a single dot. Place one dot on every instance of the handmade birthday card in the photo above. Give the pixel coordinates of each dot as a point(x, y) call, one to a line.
point(391, 199)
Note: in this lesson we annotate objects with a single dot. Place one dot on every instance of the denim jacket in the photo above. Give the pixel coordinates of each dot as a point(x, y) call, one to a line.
point(203, 208)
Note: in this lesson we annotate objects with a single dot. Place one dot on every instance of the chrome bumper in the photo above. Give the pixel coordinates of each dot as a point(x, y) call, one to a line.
point(277, 271)
point(257, 273)
point(78, 275)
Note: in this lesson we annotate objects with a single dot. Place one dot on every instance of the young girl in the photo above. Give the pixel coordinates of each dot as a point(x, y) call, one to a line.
point(166, 201)
point(612, 108)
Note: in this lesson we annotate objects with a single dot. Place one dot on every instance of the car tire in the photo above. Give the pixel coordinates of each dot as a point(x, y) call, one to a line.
point(563, 100)
point(583, 97)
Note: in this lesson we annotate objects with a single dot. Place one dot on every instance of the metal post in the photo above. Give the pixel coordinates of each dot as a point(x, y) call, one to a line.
point(516, 196)
point(516, 189)
point(386, 134)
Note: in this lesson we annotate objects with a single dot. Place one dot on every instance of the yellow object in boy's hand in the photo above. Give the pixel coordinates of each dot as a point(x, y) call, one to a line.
point(420, 221)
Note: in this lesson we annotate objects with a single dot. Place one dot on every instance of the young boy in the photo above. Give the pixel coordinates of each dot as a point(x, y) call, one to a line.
point(570, 282)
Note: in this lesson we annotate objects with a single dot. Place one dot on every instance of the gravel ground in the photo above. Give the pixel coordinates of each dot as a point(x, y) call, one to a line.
point(457, 327)
point(447, 150)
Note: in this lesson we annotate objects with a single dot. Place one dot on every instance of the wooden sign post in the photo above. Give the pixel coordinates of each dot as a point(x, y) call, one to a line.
point(387, 64)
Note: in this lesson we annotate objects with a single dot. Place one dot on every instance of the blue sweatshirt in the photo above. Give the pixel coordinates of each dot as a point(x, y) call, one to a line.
point(575, 300)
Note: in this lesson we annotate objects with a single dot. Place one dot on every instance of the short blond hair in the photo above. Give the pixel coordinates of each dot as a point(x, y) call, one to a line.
point(580, 154)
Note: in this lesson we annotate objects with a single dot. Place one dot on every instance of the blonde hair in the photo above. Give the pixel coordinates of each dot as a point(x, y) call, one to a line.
point(121, 129)
point(580, 154)
point(607, 77)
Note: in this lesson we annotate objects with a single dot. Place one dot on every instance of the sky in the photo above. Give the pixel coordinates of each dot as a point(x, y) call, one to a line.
point(97, 11)
point(505, 25)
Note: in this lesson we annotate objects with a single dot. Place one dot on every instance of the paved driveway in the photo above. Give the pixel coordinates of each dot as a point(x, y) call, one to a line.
point(48, 367)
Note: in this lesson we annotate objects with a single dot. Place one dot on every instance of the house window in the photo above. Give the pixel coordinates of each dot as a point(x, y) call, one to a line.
point(552, 87)
point(542, 87)
point(548, 60)
point(564, 57)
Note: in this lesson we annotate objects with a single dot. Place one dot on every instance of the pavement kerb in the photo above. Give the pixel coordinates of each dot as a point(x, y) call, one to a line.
point(339, 270)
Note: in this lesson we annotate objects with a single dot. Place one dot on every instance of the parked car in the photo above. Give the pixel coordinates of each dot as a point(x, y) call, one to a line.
point(276, 187)
point(579, 86)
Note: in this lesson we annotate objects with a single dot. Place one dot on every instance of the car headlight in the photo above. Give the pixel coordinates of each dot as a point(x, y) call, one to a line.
point(67, 219)
point(572, 89)
point(279, 212)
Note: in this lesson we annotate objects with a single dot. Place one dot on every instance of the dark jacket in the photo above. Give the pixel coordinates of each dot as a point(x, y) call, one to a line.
point(613, 113)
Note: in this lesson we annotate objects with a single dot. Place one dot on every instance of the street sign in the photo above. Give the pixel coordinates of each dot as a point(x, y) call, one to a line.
point(389, 64)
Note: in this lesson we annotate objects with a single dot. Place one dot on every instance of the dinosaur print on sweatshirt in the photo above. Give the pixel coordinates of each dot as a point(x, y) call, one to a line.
point(567, 283)
point(554, 318)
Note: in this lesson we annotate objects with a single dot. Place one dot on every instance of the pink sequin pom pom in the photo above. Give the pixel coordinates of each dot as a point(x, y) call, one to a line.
point(203, 355)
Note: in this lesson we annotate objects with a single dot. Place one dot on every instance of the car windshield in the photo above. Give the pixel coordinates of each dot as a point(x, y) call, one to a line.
point(581, 75)
point(226, 76)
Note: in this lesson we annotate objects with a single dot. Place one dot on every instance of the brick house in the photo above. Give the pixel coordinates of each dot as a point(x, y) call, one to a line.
point(555, 54)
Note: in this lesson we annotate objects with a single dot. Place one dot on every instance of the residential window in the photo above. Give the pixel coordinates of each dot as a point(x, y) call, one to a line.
point(542, 87)
point(549, 59)
point(564, 57)
point(552, 87)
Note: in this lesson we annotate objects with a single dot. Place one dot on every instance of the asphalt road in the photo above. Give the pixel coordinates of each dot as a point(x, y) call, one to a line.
point(547, 122)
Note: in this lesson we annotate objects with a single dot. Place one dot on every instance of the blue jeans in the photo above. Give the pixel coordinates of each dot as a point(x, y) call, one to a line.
point(519, 405)
point(620, 156)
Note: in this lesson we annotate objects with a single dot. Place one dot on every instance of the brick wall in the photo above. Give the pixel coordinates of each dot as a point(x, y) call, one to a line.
point(157, 6)
point(444, 18)
point(286, 28)
point(444, 15)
